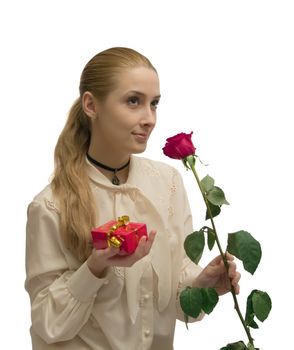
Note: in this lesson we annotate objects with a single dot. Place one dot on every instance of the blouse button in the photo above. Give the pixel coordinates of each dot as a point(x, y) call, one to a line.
point(106, 282)
point(146, 297)
point(147, 332)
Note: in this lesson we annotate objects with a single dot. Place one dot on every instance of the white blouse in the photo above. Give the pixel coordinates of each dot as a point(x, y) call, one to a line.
point(131, 308)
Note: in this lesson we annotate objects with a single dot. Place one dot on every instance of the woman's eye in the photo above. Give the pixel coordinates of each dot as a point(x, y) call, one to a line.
point(155, 103)
point(133, 100)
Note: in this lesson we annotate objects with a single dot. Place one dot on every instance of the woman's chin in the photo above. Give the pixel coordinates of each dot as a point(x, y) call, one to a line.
point(139, 148)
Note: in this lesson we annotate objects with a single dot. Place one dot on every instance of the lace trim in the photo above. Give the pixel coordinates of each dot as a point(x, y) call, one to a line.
point(150, 170)
point(171, 211)
point(50, 205)
point(119, 272)
point(173, 187)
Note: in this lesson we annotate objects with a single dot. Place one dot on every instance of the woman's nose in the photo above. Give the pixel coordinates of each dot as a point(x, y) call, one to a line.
point(149, 116)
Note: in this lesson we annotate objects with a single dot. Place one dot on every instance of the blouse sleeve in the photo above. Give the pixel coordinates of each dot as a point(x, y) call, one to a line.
point(189, 270)
point(61, 298)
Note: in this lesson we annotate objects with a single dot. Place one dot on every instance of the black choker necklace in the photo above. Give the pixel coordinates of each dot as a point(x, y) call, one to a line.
point(115, 179)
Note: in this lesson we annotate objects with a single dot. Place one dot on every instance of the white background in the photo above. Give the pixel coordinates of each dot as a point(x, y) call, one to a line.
point(226, 72)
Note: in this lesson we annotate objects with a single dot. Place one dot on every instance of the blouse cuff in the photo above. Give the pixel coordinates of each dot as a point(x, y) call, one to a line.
point(84, 285)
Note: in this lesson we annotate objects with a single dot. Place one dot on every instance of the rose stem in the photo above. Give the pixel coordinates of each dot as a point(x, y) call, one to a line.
point(190, 160)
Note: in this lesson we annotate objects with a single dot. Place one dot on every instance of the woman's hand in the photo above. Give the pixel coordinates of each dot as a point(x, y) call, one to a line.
point(100, 259)
point(215, 275)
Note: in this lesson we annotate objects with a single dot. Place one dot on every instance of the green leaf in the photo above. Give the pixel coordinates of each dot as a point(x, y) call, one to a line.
point(261, 303)
point(244, 247)
point(209, 299)
point(210, 237)
point(215, 210)
point(258, 304)
point(235, 346)
point(207, 183)
point(191, 301)
point(216, 196)
point(194, 245)
point(251, 347)
point(249, 316)
point(252, 323)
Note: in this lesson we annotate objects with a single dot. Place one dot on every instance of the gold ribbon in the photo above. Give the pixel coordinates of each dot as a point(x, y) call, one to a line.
point(116, 241)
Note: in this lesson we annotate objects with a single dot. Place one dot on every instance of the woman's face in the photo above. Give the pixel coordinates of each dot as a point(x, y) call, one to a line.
point(125, 120)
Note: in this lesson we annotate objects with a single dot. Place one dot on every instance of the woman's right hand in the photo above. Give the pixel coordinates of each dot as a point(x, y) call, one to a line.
point(100, 259)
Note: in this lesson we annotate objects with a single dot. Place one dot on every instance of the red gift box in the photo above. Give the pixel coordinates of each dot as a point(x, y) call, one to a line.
point(120, 233)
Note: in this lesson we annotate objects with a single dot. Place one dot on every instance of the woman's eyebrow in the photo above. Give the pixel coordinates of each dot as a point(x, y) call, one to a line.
point(141, 93)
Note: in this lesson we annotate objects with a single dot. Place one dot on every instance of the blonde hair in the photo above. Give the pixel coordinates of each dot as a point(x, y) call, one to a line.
point(70, 183)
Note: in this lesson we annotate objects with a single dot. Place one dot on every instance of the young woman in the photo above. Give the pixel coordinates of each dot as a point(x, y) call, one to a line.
point(83, 298)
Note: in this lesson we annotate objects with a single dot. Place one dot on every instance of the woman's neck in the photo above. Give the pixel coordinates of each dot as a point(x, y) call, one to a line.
point(112, 160)
point(117, 171)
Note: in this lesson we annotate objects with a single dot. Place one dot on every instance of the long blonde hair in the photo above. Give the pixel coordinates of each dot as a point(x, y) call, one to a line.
point(70, 183)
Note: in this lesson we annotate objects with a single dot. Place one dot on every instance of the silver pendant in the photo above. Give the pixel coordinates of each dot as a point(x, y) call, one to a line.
point(115, 180)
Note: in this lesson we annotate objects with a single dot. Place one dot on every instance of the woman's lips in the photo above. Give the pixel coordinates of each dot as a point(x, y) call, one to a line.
point(140, 137)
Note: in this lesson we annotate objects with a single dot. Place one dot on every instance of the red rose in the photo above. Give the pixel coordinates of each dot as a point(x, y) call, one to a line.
point(179, 146)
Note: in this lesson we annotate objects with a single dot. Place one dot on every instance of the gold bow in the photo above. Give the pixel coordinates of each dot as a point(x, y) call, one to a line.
point(116, 241)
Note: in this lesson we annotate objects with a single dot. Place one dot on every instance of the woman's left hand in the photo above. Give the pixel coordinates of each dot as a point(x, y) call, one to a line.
point(215, 275)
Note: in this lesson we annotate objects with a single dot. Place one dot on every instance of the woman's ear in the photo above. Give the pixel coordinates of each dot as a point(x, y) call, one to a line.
point(90, 105)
